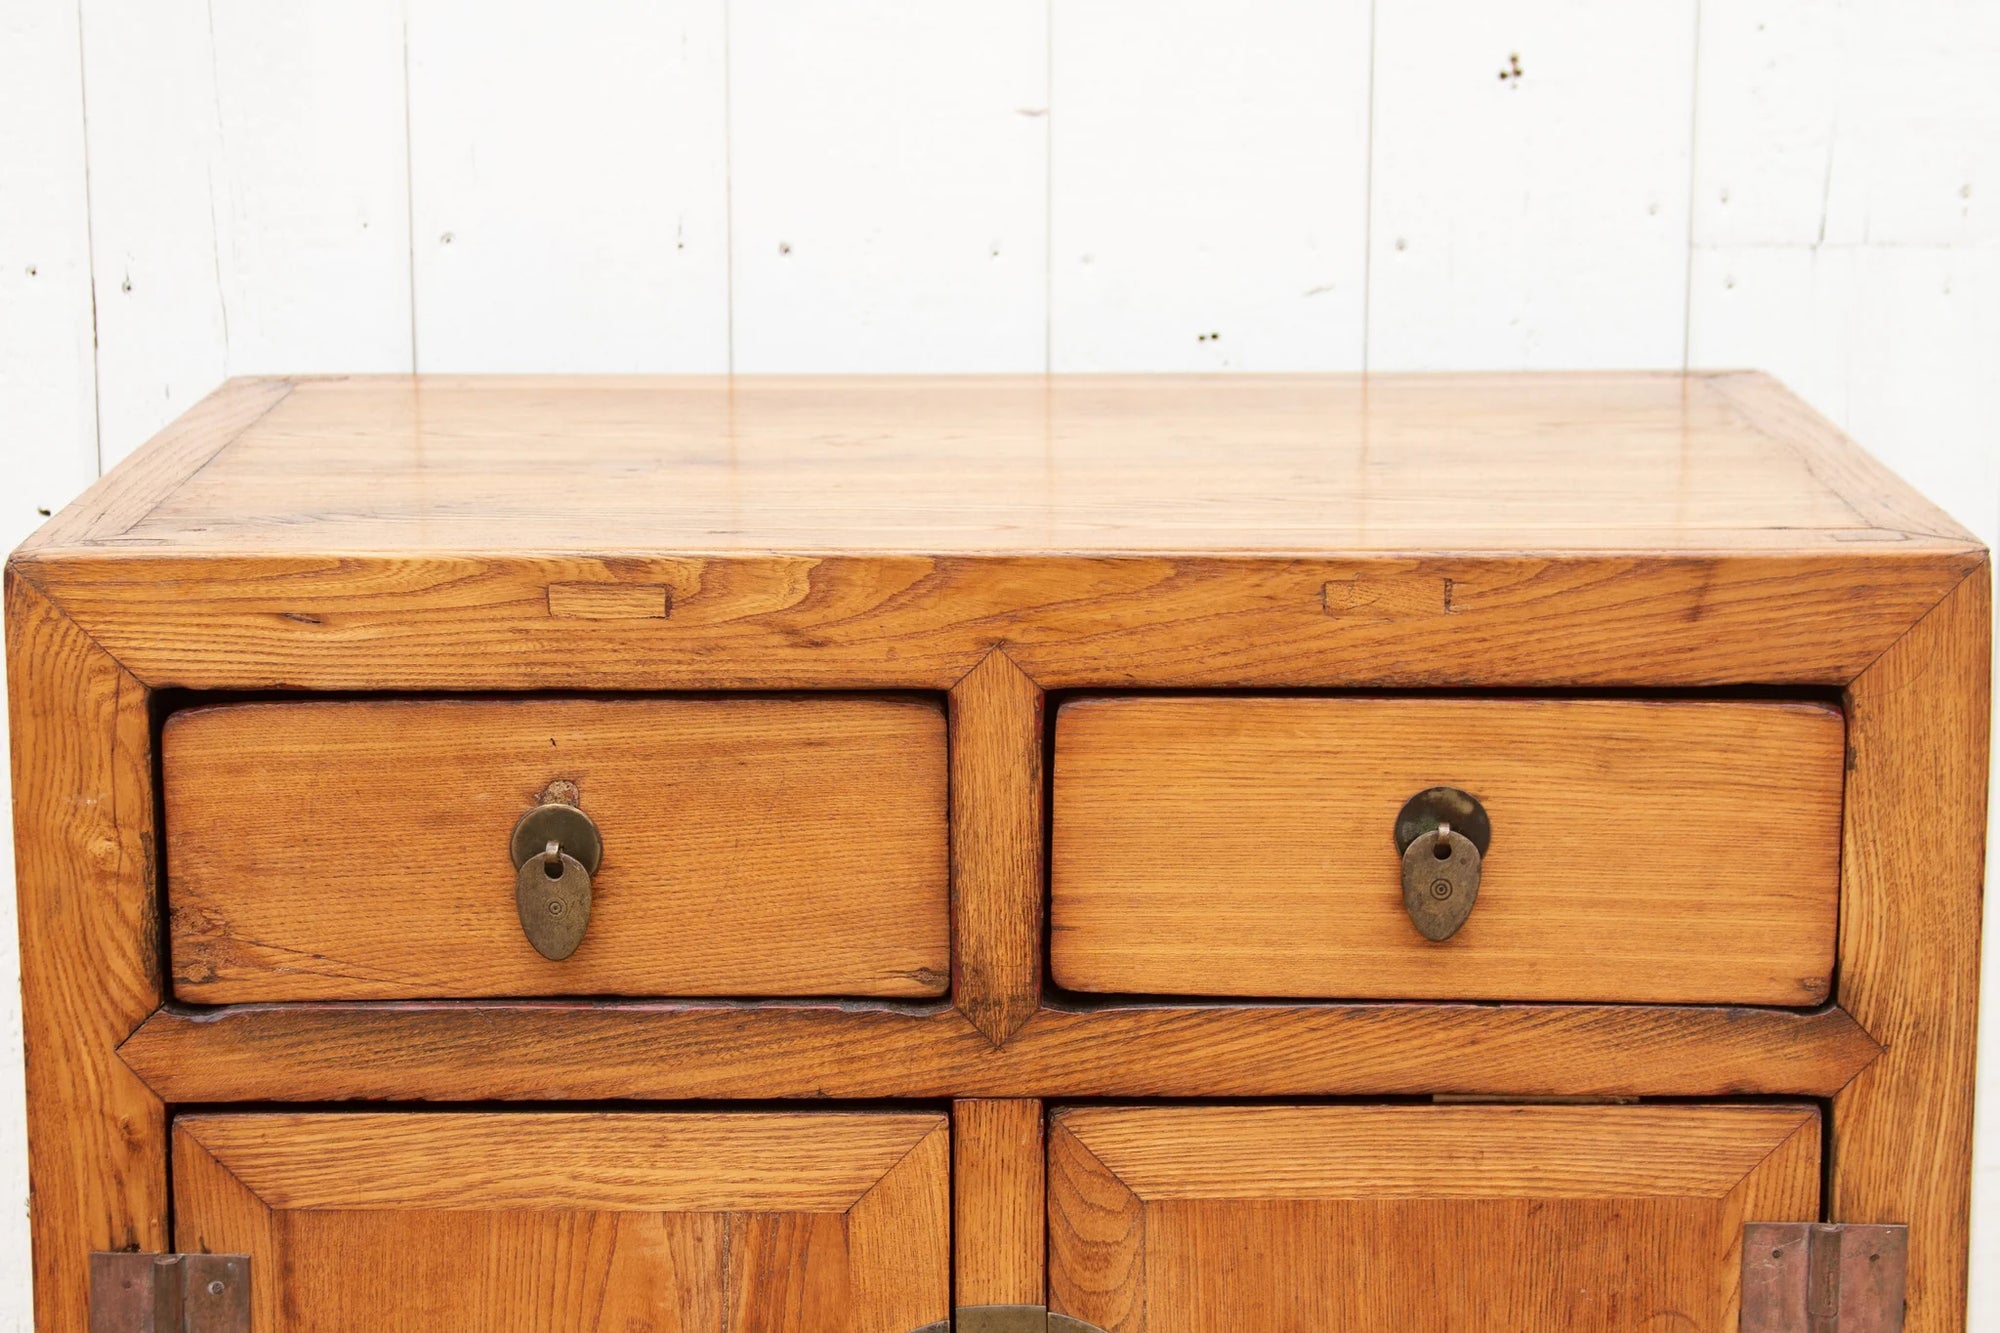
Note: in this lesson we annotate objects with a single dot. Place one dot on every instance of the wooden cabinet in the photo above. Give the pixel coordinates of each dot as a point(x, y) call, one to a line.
point(990, 818)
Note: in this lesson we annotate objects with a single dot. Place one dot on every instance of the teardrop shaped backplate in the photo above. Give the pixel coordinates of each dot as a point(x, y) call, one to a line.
point(1440, 882)
point(555, 910)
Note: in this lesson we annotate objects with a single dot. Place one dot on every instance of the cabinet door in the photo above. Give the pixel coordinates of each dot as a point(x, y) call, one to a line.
point(574, 1223)
point(1460, 1218)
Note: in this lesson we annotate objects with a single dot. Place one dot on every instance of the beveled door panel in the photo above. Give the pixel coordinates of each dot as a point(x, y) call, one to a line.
point(574, 1223)
point(1421, 1219)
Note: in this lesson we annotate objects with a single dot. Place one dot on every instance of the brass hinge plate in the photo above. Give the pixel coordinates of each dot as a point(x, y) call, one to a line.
point(1813, 1277)
point(1008, 1319)
point(169, 1293)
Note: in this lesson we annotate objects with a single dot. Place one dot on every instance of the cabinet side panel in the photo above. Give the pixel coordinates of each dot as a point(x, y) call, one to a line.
point(1912, 872)
point(83, 846)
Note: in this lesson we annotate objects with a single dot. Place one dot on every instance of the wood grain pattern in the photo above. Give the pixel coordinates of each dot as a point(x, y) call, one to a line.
point(575, 1223)
point(1005, 464)
point(468, 1051)
point(784, 621)
point(125, 495)
point(1000, 1202)
point(1417, 1217)
point(890, 532)
point(752, 847)
point(1244, 846)
point(1914, 867)
point(84, 870)
point(996, 846)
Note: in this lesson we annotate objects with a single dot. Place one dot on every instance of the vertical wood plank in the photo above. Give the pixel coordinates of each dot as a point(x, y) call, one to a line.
point(1847, 225)
point(1912, 869)
point(888, 178)
point(248, 211)
point(1208, 197)
point(48, 410)
point(996, 845)
point(1000, 1201)
point(1536, 218)
point(83, 857)
point(568, 168)
point(161, 341)
point(308, 186)
point(1864, 123)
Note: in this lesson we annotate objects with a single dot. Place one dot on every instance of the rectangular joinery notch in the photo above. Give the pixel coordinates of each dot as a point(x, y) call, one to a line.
point(169, 1293)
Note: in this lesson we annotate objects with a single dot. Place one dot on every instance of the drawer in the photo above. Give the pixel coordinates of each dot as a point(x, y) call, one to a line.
point(752, 847)
point(1646, 851)
point(472, 1223)
point(1422, 1219)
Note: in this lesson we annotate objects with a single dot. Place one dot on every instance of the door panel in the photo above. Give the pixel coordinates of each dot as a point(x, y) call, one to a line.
point(574, 1223)
point(1460, 1218)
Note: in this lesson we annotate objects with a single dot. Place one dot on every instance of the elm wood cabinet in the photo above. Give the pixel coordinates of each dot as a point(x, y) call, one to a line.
point(1001, 808)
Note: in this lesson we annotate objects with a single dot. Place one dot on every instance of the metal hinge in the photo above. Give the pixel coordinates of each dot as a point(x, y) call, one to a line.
point(1008, 1319)
point(169, 1293)
point(1813, 1277)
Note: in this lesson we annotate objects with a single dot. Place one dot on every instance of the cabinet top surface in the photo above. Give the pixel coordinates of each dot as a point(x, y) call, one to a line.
point(1278, 465)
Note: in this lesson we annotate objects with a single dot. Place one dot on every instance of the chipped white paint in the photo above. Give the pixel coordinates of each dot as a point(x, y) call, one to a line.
point(247, 208)
point(1530, 184)
point(570, 186)
point(1208, 185)
point(887, 175)
point(48, 412)
point(1812, 186)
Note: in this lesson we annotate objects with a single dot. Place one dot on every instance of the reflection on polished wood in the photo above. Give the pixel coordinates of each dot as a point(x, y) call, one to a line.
point(387, 532)
point(1164, 464)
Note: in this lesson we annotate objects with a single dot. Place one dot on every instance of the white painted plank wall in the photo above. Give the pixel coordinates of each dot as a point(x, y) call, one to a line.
point(569, 177)
point(1530, 184)
point(192, 188)
point(248, 208)
point(1209, 185)
point(888, 185)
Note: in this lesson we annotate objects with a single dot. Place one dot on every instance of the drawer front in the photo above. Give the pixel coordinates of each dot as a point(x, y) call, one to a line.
point(1423, 1219)
point(360, 850)
point(1644, 851)
point(574, 1223)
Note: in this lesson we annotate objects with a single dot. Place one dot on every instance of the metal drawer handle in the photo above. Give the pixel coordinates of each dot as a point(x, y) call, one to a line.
point(1442, 834)
point(556, 849)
